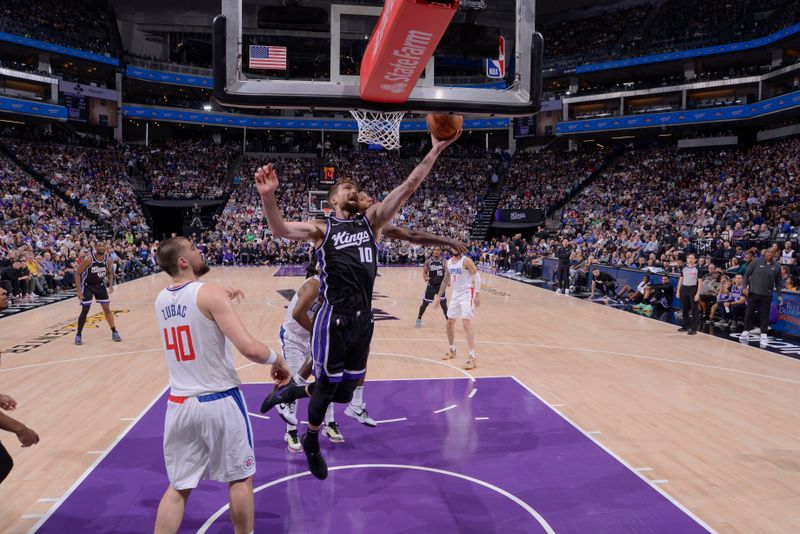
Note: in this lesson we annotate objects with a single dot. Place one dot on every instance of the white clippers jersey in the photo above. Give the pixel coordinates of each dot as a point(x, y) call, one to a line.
point(198, 353)
point(291, 329)
point(460, 278)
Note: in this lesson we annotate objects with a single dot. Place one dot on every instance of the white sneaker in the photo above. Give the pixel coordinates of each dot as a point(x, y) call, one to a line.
point(566, 292)
point(292, 441)
point(332, 431)
point(360, 414)
point(755, 331)
point(744, 337)
point(288, 413)
point(764, 340)
point(558, 291)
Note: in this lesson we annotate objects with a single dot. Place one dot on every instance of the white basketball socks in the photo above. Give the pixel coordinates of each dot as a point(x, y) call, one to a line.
point(358, 397)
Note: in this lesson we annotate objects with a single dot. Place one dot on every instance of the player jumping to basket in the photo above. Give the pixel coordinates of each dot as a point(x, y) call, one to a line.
point(347, 256)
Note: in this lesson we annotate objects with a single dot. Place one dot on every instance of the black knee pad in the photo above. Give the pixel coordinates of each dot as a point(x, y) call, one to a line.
point(321, 397)
point(344, 393)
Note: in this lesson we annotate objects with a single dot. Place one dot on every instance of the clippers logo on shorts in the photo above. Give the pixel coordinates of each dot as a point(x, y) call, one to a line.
point(249, 463)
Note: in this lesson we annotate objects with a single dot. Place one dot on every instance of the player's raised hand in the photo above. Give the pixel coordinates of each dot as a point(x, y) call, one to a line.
point(440, 145)
point(7, 403)
point(266, 179)
point(280, 372)
point(235, 294)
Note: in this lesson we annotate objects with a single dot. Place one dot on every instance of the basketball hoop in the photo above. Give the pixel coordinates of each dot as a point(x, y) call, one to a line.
point(326, 212)
point(379, 128)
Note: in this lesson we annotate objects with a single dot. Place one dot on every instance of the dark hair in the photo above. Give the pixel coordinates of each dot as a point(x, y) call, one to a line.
point(168, 253)
point(337, 184)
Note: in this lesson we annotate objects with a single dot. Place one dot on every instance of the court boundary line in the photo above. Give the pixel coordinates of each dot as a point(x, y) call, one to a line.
point(614, 455)
point(82, 358)
point(507, 494)
point(96, 463)
point(614, 353)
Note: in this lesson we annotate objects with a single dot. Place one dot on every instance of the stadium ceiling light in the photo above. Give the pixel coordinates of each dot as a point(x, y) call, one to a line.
point(665, 135)
point(207, 107)
point(624, 137)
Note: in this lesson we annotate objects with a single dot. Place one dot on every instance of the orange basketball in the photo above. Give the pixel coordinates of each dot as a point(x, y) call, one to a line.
point(444, 126)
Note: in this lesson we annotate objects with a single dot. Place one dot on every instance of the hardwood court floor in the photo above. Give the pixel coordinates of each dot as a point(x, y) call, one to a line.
point(713, 423)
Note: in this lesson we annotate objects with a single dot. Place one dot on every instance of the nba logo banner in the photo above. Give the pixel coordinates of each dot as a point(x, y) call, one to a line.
point(494, 68)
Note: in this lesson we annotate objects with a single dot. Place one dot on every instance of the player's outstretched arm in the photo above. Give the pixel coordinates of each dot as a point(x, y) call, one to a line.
point(214, 302)
point(421, 238)
point(380, 214)
point(266, 184)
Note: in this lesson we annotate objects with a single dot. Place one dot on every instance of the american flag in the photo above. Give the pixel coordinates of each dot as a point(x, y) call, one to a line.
point(267, 57)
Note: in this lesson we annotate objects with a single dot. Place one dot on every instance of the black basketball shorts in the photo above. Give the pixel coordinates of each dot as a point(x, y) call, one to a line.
point(100, 293)
point(431, 291)
point(340, 343)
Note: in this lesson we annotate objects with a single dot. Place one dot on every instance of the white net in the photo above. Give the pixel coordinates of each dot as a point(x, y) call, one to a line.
point(379, 128)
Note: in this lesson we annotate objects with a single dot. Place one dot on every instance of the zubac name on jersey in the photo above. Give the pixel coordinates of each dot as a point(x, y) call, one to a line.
point(173, 311)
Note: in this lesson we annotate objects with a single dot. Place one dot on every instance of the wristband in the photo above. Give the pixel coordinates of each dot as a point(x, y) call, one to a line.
point(273, 356)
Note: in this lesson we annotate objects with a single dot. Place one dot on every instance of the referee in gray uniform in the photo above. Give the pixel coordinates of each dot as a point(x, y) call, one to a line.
point(689, 294)
point(760, 279)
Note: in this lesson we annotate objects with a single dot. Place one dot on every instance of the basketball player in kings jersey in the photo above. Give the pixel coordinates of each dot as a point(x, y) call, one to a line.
point(207, 433)
point(347, 256)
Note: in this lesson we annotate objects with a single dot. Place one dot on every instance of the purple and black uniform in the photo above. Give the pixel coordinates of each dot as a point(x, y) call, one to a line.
point(343, 327)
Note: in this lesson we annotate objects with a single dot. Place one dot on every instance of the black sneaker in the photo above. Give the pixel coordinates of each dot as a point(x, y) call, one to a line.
point(275, 397)
point(692, 332)
point(681, 329)
point(316, 463)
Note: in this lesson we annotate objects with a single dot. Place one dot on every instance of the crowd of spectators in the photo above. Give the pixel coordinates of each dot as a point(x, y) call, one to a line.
point(95, 178)
point(674, 25)
point(446, 204)
point(653, 207)
point(241, 235)
point(592, 37)
point(82, 24)
point(546, 178)
point(184, 169)
point(43, 237)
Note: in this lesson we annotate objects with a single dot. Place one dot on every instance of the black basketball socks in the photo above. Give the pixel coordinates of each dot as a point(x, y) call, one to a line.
point(82, 318)
point(422, 309)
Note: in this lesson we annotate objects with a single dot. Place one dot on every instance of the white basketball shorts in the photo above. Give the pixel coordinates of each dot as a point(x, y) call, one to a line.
point(208, 437)
point(461, 306)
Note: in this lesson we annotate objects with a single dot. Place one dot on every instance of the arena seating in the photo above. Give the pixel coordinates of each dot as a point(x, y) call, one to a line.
point(81, 24)
point(42, 237)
